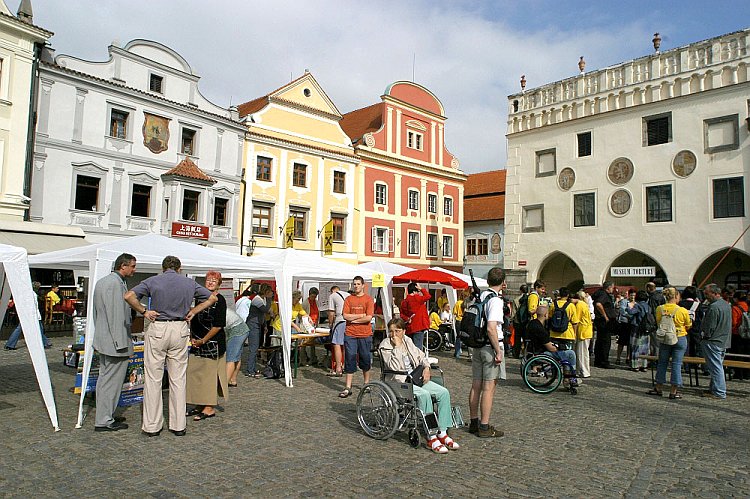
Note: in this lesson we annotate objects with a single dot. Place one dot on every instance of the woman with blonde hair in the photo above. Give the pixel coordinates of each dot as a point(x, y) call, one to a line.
point(681, 318)
point(584, 333)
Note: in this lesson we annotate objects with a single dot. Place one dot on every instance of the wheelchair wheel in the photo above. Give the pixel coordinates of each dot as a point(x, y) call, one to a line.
point(414, 438)
point(377, 410)
point(542, 374)
point(433, 340)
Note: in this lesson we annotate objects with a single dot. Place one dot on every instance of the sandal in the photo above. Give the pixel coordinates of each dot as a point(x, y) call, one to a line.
point(232, 385)
point(654, 391)
point(673, 396)
point(194, 411)
point(346, 393)
point(449, 442)
point(203, 416)
point(437, 446)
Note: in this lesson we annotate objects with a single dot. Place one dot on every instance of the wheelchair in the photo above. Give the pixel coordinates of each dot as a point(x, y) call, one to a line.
point(543, 373)
point(385, 407)
point(439, 339)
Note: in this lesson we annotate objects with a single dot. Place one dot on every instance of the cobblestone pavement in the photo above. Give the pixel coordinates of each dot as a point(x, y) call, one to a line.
point(611, 440)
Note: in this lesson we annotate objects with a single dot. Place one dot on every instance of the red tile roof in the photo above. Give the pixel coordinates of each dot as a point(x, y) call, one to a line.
point(484, 196)
point(186, 168)
point(368, 119)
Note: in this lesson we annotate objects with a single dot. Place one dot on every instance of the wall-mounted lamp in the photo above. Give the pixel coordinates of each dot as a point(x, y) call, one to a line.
point(251, 245)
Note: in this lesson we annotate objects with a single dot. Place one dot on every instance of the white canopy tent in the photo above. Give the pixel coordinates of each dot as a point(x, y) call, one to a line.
point(390, 270)
point(303, 266)
point(149, 251)
point(15, 277)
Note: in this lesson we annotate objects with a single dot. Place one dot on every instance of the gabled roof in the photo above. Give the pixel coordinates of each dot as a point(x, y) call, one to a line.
point(187, 169)
point(484, 196)
point(368, 119)
point(282, 95)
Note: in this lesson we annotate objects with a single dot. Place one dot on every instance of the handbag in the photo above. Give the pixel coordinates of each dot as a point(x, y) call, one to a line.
point(417, 375)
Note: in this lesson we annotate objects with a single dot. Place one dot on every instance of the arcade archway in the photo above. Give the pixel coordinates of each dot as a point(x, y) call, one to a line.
point(560, 270)
point(734, 269)
point(633, 273)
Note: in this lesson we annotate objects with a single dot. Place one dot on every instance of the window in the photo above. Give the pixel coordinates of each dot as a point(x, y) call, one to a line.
point(262, 219)
point(118, 124)
point(190, 205)
point(221, 210)
point(448, 246)
point(381, 240)
point(414, 140)
point(413, 200)
point(87, 193)
point(584, 210)
point(546, 163)
point(339, 227)
point(721, 134)
point(381, 194)
point(432, 203)
point(413, 243)
point(299, 175)
point(584, 144)
point(140, 201)
point(659, 203)
point(729, 197)
point(477, 247)
point(263, 168)
point(432, 244)
point(187, 146)
point(155, 83)
point(533, 218)
point(657, 129)
point(339, 182)
point(300, 223)
point(448, 207)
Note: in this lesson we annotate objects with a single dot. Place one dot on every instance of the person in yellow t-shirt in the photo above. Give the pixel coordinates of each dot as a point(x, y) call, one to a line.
point(442, 299)
point(297, 311)
point(458, 314)
point(584, 333)
point(435, 319)
point(566, 339)
point(540, 290)
point(682, 324)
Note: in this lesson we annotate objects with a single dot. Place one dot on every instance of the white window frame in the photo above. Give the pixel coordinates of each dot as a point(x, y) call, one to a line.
point(448, 206)
point(382, 238)
point(447, 246)
point(196, 140)
point(415, 193)
point(576, 195)
point(671, 200)
point(477, 238)
point(228, 215)
point(432, 244)
point(147, 180)
point(163, 83)
point(432, 202)
point(270, 208)
point(199, 214)
point(114, 106)
point(409, 249)
point(415, 140)
point(385, 194)
point(89, 169)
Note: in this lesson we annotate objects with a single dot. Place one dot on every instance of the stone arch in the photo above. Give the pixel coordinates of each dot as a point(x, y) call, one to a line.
point(558, 269)
point(734, 269)
point(632, 257)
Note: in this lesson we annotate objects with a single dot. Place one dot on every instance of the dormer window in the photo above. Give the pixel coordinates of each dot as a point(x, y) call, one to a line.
point(414, 140)
point(155, 83)
point(188, 142)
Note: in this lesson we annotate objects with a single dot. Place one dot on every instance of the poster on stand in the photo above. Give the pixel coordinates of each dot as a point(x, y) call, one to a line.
point(132, 387)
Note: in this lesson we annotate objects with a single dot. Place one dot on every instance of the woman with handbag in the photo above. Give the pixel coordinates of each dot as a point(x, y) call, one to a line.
point(398, 353)
point(673, 324)
point(207, 370)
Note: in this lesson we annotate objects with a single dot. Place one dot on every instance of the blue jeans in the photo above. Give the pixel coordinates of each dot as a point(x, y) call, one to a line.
point(418, 339)
point(357, 352)
point(16, 334)
point(424, 398)
point(253, 342)
point(677, 352)
point(714, 355)
point(457, 340)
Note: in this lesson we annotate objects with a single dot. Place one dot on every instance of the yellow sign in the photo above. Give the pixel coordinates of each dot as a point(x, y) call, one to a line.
point(289, 233)
point(328, 238)
point(378, 280)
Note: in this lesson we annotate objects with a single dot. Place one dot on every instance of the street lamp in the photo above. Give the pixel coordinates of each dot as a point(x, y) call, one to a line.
point(251, 245)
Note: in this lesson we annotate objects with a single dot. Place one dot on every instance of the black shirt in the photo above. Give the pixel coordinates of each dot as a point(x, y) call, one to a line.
point(213, 316)
point(537, 335)
point(601, 296)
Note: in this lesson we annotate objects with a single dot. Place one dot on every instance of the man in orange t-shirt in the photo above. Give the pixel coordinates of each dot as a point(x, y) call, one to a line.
point(358, 310)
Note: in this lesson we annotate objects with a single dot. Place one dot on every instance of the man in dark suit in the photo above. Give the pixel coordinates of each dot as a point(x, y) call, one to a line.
point(113, 342)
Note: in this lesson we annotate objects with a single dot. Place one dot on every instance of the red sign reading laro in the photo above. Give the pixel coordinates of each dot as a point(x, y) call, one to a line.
point(189, 230)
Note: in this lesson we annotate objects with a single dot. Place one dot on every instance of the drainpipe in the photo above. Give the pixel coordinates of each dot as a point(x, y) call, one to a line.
point(242, 213)
point(31, 131)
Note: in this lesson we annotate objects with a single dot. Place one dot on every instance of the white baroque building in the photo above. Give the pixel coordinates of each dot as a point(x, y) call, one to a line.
point(130, 146)
point(634, 172)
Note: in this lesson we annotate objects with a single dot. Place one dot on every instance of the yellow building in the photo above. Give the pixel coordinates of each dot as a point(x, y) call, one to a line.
point(299, 163)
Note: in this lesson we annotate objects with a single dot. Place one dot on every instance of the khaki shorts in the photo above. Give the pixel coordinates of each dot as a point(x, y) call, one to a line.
point(483, 364)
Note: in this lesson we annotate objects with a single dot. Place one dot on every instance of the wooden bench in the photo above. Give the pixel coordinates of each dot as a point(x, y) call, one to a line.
point(694, 362)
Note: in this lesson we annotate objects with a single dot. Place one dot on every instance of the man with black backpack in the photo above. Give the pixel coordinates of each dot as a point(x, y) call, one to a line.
point(563, 321)
point(486, 360)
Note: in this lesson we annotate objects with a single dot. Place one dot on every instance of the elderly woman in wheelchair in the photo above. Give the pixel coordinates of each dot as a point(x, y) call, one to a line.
point(407, 378)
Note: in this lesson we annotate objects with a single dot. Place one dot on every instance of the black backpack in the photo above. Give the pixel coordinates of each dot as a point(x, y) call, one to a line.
point(473, 330)
point(559, 321)
point(522, 314)
point(648, 324)
point(275, 367)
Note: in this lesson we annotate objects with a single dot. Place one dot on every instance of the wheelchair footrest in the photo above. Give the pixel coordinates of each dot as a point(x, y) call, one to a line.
point(458, 417)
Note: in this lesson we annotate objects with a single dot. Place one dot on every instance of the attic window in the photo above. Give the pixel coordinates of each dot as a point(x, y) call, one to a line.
point(307, 92)
point(155, 83)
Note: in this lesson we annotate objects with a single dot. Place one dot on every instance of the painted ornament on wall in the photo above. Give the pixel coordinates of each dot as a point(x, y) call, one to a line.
point(155, 133)
point(495, 243)
point(620, 202)
point(620, 171)
point(566, 179)
point(684, 164)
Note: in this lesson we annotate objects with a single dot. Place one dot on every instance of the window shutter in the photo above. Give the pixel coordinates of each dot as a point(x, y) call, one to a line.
point(388, 243)
point(374, 239)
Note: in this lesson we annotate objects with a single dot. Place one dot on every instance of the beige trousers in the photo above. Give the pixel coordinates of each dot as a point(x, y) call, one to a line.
point(582, 358)
point(165, 341)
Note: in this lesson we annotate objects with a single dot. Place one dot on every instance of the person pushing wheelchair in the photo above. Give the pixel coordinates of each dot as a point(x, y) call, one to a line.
point(540, 342)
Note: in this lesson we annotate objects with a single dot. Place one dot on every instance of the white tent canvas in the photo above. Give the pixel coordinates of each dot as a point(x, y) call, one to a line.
point(16, 280)
point(390, 270)
point(149, 251)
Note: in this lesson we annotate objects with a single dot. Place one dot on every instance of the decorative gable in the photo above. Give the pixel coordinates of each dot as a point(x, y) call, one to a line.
point(306, 93)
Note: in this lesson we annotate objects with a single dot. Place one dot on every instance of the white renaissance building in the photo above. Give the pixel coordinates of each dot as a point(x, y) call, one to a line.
point(129, 146)
point(634, 172)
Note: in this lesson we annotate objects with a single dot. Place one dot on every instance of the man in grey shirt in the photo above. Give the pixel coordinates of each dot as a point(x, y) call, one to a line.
point(166, 337)
point(113, 342)
point(338, 326)
point(716, 334)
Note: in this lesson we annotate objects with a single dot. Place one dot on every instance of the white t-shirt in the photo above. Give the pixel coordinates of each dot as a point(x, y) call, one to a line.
point(336, 305)
point(242, 307)
point(494, 312)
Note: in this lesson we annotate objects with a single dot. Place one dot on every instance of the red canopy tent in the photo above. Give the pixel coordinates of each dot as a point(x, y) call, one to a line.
point(430, 276)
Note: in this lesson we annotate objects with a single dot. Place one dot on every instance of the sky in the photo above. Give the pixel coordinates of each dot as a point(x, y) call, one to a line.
point(470, 54)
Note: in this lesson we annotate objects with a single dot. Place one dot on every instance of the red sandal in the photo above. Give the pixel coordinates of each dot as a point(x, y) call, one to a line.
point(449, 442)
point(437, 446)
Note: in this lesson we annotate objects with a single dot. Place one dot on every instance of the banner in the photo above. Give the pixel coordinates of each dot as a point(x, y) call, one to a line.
point(378, 280)
point(289, 233)
point(328, 238)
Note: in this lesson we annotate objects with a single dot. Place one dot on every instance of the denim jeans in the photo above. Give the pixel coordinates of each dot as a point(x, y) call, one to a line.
point(714, 355)
point(418, 339)
point(676, 352)
point(253, 342)
point(16, 334)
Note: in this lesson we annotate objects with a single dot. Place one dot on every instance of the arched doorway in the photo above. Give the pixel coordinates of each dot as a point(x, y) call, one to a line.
point(632, 274)
point(734, 269)
point(560, 270)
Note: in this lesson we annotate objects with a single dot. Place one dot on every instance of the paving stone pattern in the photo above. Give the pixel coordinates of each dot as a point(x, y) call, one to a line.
point(611, 440)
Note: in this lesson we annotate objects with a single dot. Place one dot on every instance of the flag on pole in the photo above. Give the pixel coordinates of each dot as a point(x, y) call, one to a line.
point(289, 232)
point(328, 238)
